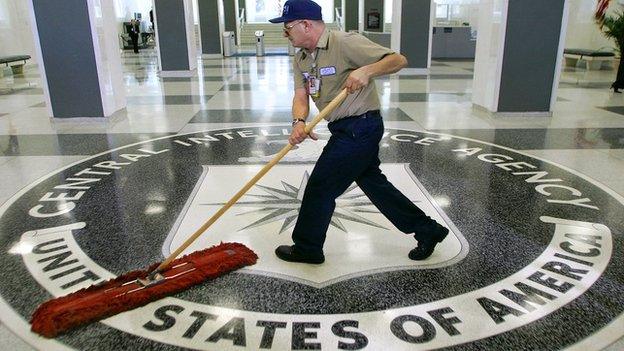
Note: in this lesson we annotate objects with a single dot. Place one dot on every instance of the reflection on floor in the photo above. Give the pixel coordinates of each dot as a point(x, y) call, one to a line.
point(535, 208)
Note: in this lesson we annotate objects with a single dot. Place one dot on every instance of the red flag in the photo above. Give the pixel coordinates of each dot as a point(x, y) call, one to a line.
point(601, 9)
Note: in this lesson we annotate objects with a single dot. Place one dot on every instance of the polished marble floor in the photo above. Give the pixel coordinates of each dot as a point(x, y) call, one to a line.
point(451, 159)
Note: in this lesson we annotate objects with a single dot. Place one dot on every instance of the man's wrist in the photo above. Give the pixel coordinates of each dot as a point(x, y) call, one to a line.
point(297, 120)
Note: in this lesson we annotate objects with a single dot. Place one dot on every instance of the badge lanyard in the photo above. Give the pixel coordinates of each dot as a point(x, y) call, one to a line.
point(314, 81)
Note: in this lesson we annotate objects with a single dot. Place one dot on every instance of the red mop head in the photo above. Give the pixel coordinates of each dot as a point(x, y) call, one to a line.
point(124, 293)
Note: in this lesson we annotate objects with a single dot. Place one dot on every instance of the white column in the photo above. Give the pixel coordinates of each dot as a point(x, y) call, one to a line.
point(107, 58)
point(175, 38)
point(489, 53)
point(412, 23)
point(518, 56)
point(360, 16)
point(79, 58)
point(190, 34)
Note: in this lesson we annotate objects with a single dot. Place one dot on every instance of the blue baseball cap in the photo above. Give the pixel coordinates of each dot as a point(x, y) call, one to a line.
point(298, 10)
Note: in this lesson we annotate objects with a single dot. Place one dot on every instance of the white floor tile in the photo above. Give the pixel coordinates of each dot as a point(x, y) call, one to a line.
point(247, 99)
point(11, 342)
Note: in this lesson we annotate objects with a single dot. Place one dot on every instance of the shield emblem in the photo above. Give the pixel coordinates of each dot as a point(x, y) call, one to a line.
point(360, 240)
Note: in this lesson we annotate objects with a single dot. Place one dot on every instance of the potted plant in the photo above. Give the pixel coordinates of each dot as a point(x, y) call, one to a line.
point(613, 27)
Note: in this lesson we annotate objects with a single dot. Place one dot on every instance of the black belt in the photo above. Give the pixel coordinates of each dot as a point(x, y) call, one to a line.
point(367, 114)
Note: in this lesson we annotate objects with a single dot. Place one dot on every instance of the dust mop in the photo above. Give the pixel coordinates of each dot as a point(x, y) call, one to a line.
point(138, 288)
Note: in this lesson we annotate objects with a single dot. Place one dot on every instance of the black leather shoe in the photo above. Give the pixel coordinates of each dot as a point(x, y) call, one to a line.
point(615, 88)
point(290, 254)
point(427, 245)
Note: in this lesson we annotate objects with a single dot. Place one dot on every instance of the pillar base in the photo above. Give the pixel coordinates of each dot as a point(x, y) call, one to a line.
point(415, 71)
point(498, 114)
point(522, 114)
point(99, 120)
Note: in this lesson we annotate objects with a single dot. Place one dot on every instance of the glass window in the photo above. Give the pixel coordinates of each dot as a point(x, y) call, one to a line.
point(119, 8)
point(388, 11)
point(4, 14)
point(442, 11)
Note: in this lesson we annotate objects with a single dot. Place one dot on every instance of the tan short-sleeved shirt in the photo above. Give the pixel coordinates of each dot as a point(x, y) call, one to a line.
point(337, 55)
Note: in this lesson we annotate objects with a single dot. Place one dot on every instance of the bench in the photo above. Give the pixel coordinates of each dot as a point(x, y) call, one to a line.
point(18, 68)
point(593, 58)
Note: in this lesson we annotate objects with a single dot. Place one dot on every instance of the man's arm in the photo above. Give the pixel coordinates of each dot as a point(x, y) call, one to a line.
point(360, 77)
point(300, 109)
point(301, 104)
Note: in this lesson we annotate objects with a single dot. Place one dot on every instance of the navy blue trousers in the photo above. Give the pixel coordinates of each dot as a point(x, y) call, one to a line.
point(352, 155)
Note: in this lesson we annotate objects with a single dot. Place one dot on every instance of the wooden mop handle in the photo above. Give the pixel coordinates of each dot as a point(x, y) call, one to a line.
point(326, 111)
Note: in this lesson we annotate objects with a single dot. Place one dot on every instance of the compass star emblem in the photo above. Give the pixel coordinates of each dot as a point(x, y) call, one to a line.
point(284, 205)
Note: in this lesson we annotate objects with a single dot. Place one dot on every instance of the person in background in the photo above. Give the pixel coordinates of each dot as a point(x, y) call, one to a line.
point(151, 15)
point(134, 35)
point(619, 78)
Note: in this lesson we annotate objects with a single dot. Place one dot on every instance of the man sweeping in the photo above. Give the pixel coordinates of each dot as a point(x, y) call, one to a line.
point(329, 62)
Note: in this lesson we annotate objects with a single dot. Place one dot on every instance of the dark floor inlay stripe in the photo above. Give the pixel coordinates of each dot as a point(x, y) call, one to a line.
point(220, 66)
point(236, 87)
point(586, 85)
point(434, 76)
point(431, 97)
point(137, 57)
point(249, 87)
point(249, 54)
point(26, 75)
point(3, 114)
point(450, 59)
point(261, 71)
point(395, 114)
point(272, 116)
point(140, 63)
point(188, 79)
point(169, 99)
point(31, 91)
point(545, 139)
point(68, 144)
point(242, 116)
point(21, 91)
point(615, 109)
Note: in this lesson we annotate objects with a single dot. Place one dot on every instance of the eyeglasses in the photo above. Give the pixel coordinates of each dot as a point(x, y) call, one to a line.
point(287, 28)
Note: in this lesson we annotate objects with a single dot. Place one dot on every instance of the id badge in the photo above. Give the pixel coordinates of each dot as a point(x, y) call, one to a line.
point(314, 87)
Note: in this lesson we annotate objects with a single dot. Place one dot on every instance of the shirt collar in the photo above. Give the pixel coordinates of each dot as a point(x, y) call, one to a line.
point(322, 43)
point(323, 40)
